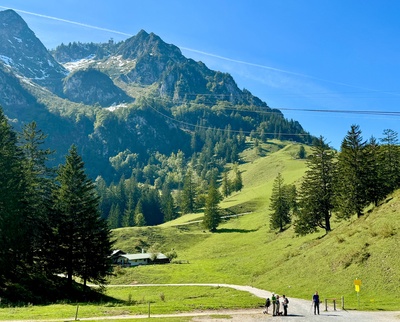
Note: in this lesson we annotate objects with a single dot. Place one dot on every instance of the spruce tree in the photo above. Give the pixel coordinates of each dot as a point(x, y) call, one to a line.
point(237, 181)
point(129, 214)
point(82, 243)
point(375, 182)
point(352, 179)
point(226, 184)
point(316, 193)
point(280, 204)
point(139, 217)
point(167, 203)
point(390, 153)
point(212, 216)
point(37, 194)
point(188, 194)
point(14, 246)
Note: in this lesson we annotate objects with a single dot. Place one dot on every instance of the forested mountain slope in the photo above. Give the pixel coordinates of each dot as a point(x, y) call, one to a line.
point(245, 250)
point(134, 98)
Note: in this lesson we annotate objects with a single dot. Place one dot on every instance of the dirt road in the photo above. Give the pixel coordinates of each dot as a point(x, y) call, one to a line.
point(299, 310)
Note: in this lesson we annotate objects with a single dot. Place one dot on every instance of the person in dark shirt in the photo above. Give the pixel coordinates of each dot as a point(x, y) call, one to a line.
point(267, 305)
point(315, 300)
point(285, 303)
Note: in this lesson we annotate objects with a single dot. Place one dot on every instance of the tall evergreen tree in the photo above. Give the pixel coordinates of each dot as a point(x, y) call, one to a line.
point(167, 203)
point(317, 193)
point(375, 184)
point(212, 216)
point(82, 240)
point(129, 214)
point(280, 204)
point(226, 184)
point(188, 194)
point(352, 178)
point(390, 160)
point(13, 229)
point(237, 181)
point(38, 191)
point(139, 217)
point(115, 216)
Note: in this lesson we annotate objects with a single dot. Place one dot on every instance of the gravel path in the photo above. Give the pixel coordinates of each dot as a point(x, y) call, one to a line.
point(299, 310)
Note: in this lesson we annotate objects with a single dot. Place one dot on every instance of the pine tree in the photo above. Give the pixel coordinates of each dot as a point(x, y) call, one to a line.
point(237, 181)
point(38, 191)
point(115, 216)
point(82, 243)
point(226, 184)
point(167, 203)
point(302, 152)
point(188, 194)
point(375, 183)
point(129, 214)
point(139, 217)
point(316, 193)
point(212, 211)
point(14, 247)
point(352, 179)
point(280, 204)
point(390, 160)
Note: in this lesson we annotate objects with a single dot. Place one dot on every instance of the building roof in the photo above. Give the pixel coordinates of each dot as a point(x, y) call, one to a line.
point(143, 256)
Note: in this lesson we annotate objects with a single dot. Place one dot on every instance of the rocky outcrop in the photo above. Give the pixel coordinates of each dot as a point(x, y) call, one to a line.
point(92, 87)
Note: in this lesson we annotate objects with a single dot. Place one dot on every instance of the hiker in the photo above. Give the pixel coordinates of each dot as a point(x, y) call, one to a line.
point(315, 300)
point(285, 303)
point(273, 299)
point(277, 306)
point(267, 305)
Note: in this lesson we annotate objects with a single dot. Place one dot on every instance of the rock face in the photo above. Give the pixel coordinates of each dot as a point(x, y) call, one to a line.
point(146, 60)
point(155, 94)
point(23, 52)
point(93, 87)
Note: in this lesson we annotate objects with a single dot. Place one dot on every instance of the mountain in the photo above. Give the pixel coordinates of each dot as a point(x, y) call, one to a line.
point(135, 98)
point(25, 55)
point(93, 87)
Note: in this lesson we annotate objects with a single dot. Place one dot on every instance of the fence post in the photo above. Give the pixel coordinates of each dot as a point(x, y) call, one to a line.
point(76, 313)
point(326, 304)
point(334, 304)
point(149, 309)
point(342, 302)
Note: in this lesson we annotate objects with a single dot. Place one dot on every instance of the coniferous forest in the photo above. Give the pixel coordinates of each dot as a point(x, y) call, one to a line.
point(343, 184)
point(50, 225)
point(58, 221)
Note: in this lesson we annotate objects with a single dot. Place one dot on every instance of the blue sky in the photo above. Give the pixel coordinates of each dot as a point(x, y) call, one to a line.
point(312, 59)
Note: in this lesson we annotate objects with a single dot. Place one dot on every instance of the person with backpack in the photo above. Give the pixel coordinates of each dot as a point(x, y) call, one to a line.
point(267, 305)
point(285, 303)
point(315, 300)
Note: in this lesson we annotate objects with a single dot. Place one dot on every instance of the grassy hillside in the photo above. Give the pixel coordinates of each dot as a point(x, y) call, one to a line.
point(245, 251)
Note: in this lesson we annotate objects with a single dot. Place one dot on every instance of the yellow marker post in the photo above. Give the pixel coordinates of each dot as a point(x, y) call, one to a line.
point(357, 285)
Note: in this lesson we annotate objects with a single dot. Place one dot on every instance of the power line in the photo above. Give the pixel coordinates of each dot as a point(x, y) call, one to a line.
point(231, 130)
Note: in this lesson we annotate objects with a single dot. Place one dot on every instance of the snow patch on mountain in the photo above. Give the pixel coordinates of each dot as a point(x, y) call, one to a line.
point(79, 64)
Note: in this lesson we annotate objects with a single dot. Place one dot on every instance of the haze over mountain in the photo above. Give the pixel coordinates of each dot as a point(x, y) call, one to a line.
point(140, 95)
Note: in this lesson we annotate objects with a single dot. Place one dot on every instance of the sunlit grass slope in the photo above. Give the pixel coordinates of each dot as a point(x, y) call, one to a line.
point(245, 251)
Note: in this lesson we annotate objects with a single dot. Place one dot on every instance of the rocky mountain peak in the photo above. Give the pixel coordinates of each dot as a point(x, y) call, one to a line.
point(22, 51)
point(145, 44)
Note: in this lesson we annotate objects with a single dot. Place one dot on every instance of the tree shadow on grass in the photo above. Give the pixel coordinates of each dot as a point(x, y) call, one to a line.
point(233, 230)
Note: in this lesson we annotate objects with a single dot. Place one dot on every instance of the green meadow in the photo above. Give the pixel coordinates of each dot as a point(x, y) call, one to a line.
point(245, 251)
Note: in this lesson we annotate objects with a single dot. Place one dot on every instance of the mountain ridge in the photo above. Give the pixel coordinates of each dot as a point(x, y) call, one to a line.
point(99, 91)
